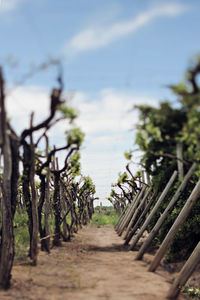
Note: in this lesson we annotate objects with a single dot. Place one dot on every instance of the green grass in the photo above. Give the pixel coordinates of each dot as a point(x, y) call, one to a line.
point(104, 216)
point(21, 235)
point(191, 292)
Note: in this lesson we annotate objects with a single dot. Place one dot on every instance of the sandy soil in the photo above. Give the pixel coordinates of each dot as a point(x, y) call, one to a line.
point(95, 265)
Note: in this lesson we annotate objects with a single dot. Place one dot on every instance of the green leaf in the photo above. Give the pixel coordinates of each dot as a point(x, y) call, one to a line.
point(68, 112)
point(128, 155)
point(75, 136)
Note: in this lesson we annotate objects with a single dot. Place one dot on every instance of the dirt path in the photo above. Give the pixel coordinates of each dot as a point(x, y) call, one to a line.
point(93, 266)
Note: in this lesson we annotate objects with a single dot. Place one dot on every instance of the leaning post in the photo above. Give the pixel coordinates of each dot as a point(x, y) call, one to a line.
point(162, 218)
point(185, 273)
point(158, 203)
point(175, 227)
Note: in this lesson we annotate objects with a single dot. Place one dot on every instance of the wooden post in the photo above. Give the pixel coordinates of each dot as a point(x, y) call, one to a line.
point(139, 220)
point(64, 208)
point(132, 210)
point(158, 203)
point(127, 212)
point(47, 201)
point(179, 153)
point(120, 218)
point(177, 224)
point(34, 241)
point(124, 215)
point(148, 179)
point(162, 218)
point(132, 221)
point(143, 176)
point(185, 273)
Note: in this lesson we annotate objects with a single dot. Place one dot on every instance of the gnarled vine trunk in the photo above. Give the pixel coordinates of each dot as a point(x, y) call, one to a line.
point(7, 232)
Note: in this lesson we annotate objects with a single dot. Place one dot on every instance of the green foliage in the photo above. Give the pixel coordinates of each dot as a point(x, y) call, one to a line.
point(191, 133)
point(122, 178)
point(75, 165)
point(75, 137)
point(159, 131)
point(128, 155)
point(88, 185)
point(21, 234)
point(110, 199)
point(180, 89)
point(68, 112)
point(104, 216)
point(191, 292)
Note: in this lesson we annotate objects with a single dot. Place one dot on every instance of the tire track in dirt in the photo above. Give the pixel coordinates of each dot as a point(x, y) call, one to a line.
point(94, 265)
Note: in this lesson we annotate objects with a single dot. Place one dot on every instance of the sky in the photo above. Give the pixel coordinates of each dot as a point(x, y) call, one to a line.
point(114, 54)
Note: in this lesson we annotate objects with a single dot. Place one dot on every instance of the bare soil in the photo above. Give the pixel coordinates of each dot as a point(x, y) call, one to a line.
point(94, 265)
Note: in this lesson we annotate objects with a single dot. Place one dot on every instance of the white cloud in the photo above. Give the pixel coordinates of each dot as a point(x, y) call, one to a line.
point(25, 100)
point(93, 38)
point(109, 112)
point(8, 5)
point(105, 118)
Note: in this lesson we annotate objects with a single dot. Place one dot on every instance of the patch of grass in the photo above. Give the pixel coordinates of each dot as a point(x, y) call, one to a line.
point(191, 292)
point(21, 235)
point(104, 216)
point(51, 223)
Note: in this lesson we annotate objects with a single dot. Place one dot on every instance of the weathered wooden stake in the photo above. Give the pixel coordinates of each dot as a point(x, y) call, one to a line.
point(47, 200)
point(177, 224)
point(158, 203)
point(132, 210)
point(126, 214)
point(141, 205)
point(162, 218)
point(140, 219)
point(179, 153)
point(121, 217)
point(34, 241)
point(185, 273)
point(148, 179)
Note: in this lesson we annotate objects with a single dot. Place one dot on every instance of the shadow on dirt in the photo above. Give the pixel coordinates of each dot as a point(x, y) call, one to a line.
point(112, 248)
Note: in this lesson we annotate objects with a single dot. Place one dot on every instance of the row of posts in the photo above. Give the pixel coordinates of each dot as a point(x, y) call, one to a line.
point(136, 217)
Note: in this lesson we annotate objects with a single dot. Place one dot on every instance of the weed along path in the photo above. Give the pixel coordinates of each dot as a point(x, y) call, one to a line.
point(95, 265)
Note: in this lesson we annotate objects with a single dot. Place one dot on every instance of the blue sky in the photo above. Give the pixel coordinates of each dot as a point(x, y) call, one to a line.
point(115, 54)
